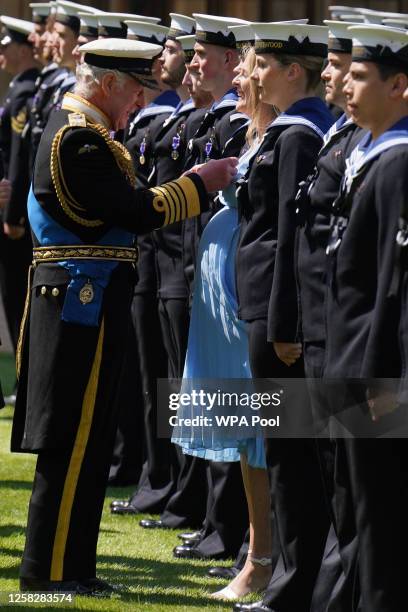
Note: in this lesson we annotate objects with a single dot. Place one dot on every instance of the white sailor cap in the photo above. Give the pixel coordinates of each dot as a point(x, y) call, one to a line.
point(353, 18)
point(133, 57)
point(40, 11)
point(380, 44)
point(337, 10)
point(372, 16)
point(147, 32)
point(213, 29)
point(290, 38)
point(180, 25)
point(340, 37)
point(112, 25)
point(67, 13)
point(187, 44)
point(397, 23)
point(89, 24)
point(245, 36)
point(15, 30)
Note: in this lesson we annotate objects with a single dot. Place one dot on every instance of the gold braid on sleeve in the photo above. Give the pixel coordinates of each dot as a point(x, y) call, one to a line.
point(65, 198)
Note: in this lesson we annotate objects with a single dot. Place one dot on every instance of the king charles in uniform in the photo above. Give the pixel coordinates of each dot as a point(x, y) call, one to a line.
point(84, 212)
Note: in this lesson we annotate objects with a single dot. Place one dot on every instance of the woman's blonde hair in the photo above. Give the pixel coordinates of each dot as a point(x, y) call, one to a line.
point(260, 117)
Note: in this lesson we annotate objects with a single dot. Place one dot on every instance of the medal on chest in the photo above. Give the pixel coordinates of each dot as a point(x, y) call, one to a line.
point(209, 145)
point(175, 154)
point(142, 150)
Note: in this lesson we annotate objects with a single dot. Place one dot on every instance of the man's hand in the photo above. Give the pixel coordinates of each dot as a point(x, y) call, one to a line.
point(384, 403)
point(288, 352)
point(217, 173)
point(5, 193)
point(14, 232)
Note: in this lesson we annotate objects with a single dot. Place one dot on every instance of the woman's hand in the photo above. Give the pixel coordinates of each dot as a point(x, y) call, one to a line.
point(288, 352)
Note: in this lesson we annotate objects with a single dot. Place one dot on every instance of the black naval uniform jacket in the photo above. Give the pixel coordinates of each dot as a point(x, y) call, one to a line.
point(139, 140)
point(362, 310)
point(220, 132)
point(318, 194)
point(58, 359)
point(267, 208)
point(169, 162)
point(12, 121)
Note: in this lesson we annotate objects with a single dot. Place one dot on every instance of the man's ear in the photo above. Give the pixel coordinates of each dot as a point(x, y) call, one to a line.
point(399, 85)
point(107, 83)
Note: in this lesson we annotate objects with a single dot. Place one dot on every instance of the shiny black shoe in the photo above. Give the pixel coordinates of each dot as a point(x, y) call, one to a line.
point(123, 507)
point(54, 586)
point(153, 524)
point(190, 536)
point(190, 552)
point(226, 573)
point(258, 606)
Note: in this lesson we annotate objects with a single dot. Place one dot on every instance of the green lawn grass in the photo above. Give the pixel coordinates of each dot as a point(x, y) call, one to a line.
point(139, 560)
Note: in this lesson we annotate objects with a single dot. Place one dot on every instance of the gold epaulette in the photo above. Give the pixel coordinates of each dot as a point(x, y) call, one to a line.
point(65, 198)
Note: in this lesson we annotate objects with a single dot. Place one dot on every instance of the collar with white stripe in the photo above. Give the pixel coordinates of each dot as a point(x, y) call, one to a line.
point(368, 150)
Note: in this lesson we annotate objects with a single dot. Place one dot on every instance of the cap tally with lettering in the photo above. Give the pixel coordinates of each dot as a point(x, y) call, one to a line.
point(290, 38)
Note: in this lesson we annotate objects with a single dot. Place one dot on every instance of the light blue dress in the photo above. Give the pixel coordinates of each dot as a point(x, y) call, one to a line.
point(218, 340)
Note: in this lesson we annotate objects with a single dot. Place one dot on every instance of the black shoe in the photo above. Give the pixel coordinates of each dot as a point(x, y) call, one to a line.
point(54, 586)
point(123, 507)
point(99, 586)
point(258, 606)
point(118, 502)
point(190, 543)
point(10, 400)
point(227, 573)
point(153, 524)
point(190, 536)
point(190, 552)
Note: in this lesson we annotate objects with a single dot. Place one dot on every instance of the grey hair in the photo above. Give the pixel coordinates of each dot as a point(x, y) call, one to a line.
point(89, 77)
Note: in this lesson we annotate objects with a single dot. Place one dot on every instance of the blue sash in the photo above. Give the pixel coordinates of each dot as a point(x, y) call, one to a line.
point(49, 233)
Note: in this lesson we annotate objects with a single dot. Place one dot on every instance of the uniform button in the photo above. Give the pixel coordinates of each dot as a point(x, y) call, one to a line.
point(55, 292)
point(43, 290)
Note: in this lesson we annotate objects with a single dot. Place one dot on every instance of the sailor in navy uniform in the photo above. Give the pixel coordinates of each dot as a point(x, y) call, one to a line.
point(364, 307)
point(16, 58)
point(88, 31)
point(84, 213)
point(220, 122)
point(226, 519)
point(267, 292)
point(66, 27)
point(315, 200)
point(140, 136)
point(47, 81)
